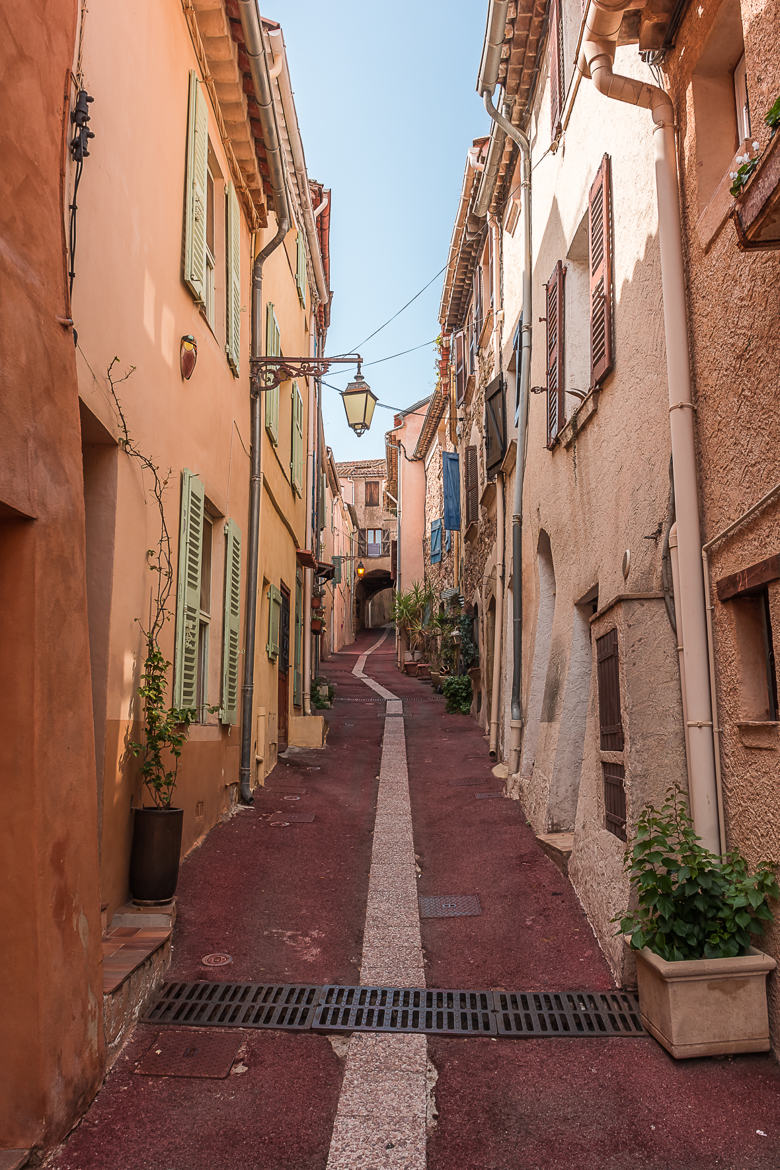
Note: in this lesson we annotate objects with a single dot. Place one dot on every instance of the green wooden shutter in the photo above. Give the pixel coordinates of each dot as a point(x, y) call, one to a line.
point(274, 621)
point(233, 266)
point(337, 570)
point(195, 191)
point(185, 669)
point(297, 675)
point(300, 269)
point(231, 621)
point(273, 349)
point(296, 444)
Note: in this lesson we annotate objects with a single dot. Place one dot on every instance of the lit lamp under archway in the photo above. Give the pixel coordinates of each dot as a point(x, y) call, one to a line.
point(359, 402)
point(361, 568)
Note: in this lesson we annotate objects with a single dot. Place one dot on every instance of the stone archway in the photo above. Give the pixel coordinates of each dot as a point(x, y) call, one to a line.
point(373, 600)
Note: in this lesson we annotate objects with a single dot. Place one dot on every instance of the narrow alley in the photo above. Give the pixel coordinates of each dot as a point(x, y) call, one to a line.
point(302, 901)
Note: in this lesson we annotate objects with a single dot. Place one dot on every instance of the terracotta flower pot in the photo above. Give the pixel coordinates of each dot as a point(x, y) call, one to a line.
point(411, 668)
point(705, 1007)
point(316, 625)
point(154, 857)
point(423, 671)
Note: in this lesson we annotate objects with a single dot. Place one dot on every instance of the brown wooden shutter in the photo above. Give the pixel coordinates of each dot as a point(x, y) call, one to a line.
point(600, 259)
point(362, 542)
point(614, 776)
point(555, 354)
point(478, 310)
point(557, 80)
point(393, 559)
point(460, 369)
point(472, 485)
point(495, 425)
point(610, 719)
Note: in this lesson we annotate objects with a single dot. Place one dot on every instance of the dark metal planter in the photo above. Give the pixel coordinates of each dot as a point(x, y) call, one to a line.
point(154, 858)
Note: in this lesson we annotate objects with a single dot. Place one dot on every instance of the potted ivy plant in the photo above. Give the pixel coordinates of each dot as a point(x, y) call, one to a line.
point(157, 827)
point(702, 984)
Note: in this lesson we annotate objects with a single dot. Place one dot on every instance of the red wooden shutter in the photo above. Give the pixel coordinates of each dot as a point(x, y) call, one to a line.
point(460, 369)
point(555, 355)
point(472, 485)
point(608, 672)
point(600, 258)
point(557, 81)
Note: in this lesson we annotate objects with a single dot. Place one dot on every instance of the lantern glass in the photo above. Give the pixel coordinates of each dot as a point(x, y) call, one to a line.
point(359, 403)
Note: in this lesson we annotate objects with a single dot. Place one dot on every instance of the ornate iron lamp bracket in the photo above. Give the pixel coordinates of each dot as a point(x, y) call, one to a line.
point(267, 372)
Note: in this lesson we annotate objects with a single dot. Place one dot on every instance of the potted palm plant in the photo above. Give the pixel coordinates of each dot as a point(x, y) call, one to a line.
point(702, 984)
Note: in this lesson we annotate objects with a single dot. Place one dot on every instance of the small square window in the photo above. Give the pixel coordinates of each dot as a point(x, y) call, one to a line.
point(755, 649)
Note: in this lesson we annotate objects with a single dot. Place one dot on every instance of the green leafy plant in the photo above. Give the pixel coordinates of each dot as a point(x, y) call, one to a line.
point(469, 650)
point(691, 904)
point(317, 698)
point(165, 729)
point(749, 163)
point(411, 611)
point(457, 692)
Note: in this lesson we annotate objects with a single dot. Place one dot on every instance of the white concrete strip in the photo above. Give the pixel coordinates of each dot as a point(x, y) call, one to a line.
point(381, 1117)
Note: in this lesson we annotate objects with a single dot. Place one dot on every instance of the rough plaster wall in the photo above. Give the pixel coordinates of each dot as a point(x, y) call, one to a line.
point(565, 780)
point(438, 576)
point(735, 366)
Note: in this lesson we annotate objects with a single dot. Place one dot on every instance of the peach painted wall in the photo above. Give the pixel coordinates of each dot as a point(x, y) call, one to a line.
point(51, 1033)
point(130, 301)
point(411, 485)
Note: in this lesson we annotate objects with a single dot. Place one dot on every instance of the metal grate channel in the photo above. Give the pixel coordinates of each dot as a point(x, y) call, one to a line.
point(449, 905)
point(567, 1013)
point(236, 1005)
point(405, 1009)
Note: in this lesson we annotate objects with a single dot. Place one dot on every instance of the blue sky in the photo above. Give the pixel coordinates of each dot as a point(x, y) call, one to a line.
point(387, 106)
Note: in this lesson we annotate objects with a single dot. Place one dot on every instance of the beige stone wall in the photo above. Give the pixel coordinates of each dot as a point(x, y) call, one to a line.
point(735, 352)
point(603, 489)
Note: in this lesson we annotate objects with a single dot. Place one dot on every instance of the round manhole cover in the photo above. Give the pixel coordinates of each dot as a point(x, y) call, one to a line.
point(291, 798)
point(279, 824)
point(216, 960)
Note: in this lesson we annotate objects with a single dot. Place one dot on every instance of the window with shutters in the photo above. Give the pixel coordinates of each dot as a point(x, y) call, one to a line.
point(296, 441)
point(372, 493)
point(608, 670)
point(614, 777)
point(231, 624)
point(274, 622)
point(479, 316)
point(298, 648)
point(300, 268)
point(555, 333)
point(373, 542)
point(193, 598)
point(212, 231)
point(460, 368)
point(600, 264)
point(472, 485)
point(495, 425)
point(273, 348)
point(233, 282)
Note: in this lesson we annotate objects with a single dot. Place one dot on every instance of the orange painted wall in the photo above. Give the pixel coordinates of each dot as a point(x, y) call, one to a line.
point(50, 979)
point(130, 301)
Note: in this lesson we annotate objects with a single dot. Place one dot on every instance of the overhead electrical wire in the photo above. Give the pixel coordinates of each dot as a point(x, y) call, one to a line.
point(356, 348)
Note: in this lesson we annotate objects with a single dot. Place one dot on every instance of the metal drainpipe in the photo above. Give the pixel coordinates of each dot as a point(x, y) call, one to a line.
point(602, 24)
point(253, 37)
point(516, 719)
point(498, 639)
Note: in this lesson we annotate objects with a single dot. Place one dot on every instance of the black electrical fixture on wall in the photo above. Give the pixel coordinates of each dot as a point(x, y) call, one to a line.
point(79, 150)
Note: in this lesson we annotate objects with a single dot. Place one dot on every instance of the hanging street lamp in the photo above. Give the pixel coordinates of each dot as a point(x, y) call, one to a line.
point(361, 568)
point(359, 399)
point(359, 402)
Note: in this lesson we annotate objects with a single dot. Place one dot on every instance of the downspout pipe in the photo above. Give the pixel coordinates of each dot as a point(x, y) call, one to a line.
point(602, 23)
point(253, 39)
point(516, 709)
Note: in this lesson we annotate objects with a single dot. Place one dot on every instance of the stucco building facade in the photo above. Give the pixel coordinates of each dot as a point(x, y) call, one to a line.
point(363, 484)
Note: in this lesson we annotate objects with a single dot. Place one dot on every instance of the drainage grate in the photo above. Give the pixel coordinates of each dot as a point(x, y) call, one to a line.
point(405, 1009)
point(449, 905)
point(567, 1013)
point(452, 1012)
point(236, 1005)
point(489, 795)
point(289, 818)
point(467, 783)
